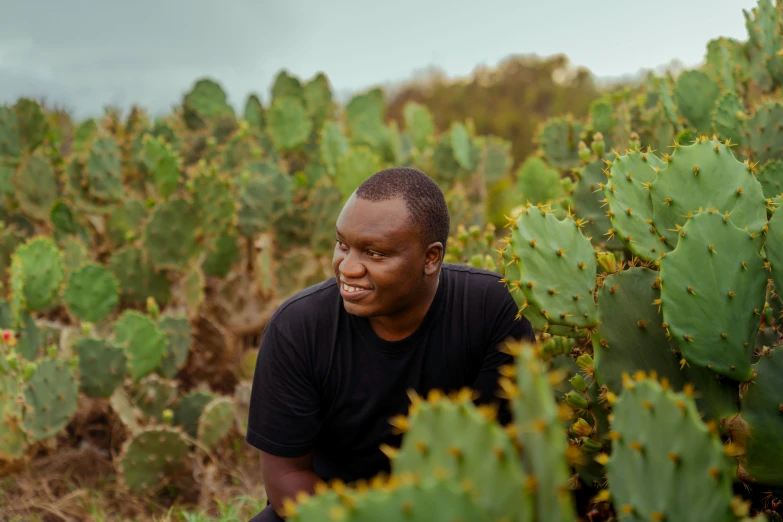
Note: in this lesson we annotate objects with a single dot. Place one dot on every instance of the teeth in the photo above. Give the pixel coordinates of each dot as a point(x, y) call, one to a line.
point(351, 289)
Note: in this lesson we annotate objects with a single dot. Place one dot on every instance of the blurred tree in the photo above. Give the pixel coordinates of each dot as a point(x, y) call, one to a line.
point(509, 100)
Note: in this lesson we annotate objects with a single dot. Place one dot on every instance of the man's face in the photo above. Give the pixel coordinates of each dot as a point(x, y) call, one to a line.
point(379, 260)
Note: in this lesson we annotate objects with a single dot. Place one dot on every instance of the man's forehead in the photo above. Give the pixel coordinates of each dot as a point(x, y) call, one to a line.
point(380, 218)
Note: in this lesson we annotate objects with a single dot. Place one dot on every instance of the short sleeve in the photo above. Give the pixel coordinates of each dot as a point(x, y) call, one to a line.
point(284, 416)
point(502, 323)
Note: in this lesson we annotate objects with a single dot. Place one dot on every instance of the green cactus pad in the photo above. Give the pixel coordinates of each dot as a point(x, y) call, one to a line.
point(12, 437)
point(761, 423)
point(589, 206)
point(334, 145)
point(496, 159)
point(265, 193)
point(10, 143)
point(102, 366)
point(364, 115)
point(557, 267)
point(696, 95)
point(138, 280)
point(150, 457)
point(35, 186)
point(661, 441)
point(464, 442)
point(628, 196)
point(254, 113)
point(419, 124)
point(32, 123)
point(221, 254)
point(288, 123)
point(163, 163)
point(104, 170)
point(143, 342)
point(771, 178)
point(728, 118)
point(464, 151)
point(152, 395)
point(537, 183)
point(559, 139)
point(215, 421)
point(37, 272)
point(125, 219)
point(706, 175)
point(358, 164)
point(630, 335)
point(214, 200)
point(92, 293)
point(179, 338)
point(317, 94)
point(189, 409)
point(538, 428)
point(713, 287)
point(429, 499)
point(50, 397)
point(765, 132)
point(65, 223)
point(170, 234)
point(205, 103)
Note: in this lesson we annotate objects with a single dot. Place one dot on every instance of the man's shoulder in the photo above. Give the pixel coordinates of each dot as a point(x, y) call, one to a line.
point(473, 278)
point(317, 301)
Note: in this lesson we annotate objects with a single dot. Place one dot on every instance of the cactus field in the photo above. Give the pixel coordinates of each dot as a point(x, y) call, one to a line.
point(141, 257)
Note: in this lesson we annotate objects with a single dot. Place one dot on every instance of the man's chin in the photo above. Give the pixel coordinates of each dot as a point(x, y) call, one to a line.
point(357, 309)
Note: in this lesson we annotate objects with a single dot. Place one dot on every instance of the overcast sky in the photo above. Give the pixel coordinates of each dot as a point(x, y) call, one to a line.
point(85, 54)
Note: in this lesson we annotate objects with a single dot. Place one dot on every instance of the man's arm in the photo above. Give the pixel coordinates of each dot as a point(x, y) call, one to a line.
point(284, 477)
point(284, 417)
point(505, 326)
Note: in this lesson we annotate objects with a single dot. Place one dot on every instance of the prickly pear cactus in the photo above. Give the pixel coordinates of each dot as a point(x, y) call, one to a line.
point(50, 395)
point(35, 186)
point(706, 175)
point(179, 338)
point(92, 293)
point(660, 440)
point(37, 272)
point(550, 269)
point(771, 178)
point(150, 456)
point(216, 421)
point(265, 193)
point(729, 119)
point(765, 128)
point(695, 95)
point(630, 334)
point(102, 366)
point(430, 499)
point(627, 192)
point(170, 234)
point(757, 430)
point(12, 436)
point(143, 342)
point(559, 140)
point(288, 123)
point(713, 287)
point(537, 427)
point(479, 450)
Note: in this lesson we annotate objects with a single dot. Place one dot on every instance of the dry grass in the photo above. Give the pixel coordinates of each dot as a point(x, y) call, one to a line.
point(81, 485)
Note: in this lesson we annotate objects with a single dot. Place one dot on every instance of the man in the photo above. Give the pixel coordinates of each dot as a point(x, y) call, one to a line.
point(337, 359)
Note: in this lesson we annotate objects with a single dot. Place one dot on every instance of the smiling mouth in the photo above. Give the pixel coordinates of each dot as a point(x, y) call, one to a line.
point(351, 292)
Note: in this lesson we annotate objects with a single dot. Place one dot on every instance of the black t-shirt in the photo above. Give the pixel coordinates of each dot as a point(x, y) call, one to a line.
point(325, 381)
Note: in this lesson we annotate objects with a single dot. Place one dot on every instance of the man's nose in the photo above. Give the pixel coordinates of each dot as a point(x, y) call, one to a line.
point(350, 266)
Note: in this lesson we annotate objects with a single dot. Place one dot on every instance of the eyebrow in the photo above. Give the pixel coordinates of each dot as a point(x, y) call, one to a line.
point(369, 243)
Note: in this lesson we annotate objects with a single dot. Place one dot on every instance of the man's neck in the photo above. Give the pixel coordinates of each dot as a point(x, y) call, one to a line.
point(397, 327)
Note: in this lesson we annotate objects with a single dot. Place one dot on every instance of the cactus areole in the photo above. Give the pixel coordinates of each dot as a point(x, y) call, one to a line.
point(339, 359)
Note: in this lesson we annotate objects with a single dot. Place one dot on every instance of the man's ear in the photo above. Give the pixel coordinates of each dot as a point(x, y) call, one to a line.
point(433, 258)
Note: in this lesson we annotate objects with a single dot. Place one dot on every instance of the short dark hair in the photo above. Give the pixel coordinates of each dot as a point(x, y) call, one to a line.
point(423, 198)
